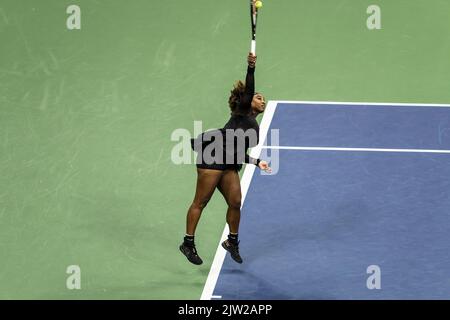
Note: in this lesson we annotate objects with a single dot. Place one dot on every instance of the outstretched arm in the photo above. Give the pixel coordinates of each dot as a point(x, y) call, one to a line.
point(247, 97)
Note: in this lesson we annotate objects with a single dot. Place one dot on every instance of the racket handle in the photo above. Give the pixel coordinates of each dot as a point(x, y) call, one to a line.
point(253, 47)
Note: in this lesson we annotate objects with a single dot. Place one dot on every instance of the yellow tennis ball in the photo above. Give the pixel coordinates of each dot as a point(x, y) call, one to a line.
point(258, 4)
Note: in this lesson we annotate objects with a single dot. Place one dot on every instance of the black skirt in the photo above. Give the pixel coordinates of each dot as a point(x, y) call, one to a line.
point(217, 163)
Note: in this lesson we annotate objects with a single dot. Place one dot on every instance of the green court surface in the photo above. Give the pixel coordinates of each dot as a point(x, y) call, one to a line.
point(86, 118)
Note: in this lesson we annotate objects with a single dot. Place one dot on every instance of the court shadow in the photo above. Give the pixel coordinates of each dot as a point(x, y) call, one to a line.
point(258, 288)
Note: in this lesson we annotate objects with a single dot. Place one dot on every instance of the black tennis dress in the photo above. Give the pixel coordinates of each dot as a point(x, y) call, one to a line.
point(229, 144)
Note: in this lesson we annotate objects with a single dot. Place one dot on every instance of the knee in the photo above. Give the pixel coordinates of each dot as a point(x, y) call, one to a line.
point(200, 204)
point(234, 203)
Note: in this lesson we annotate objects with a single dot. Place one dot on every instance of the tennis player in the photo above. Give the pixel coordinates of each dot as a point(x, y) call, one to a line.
point(222, 171)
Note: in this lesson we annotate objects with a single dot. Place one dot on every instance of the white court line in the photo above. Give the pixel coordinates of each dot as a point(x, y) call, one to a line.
point(356, 149)
point(386, 104)
point(219, 257)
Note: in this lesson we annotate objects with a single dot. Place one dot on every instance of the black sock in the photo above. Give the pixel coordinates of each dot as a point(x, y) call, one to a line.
point(233, 238)
point(189, 240)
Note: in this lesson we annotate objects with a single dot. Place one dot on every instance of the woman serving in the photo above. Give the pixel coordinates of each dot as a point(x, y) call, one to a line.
point(220, 169)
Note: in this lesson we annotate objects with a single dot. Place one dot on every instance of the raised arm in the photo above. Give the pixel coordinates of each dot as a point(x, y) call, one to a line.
point(247, 96)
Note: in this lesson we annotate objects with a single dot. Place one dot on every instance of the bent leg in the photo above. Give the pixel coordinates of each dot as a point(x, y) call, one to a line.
point(207, 181)
point(230, 187)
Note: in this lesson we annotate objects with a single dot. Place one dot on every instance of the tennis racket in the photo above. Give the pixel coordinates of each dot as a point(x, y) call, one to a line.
point(253, 19)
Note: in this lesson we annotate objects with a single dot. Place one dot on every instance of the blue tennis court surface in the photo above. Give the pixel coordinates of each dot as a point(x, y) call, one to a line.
point(312, 230)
